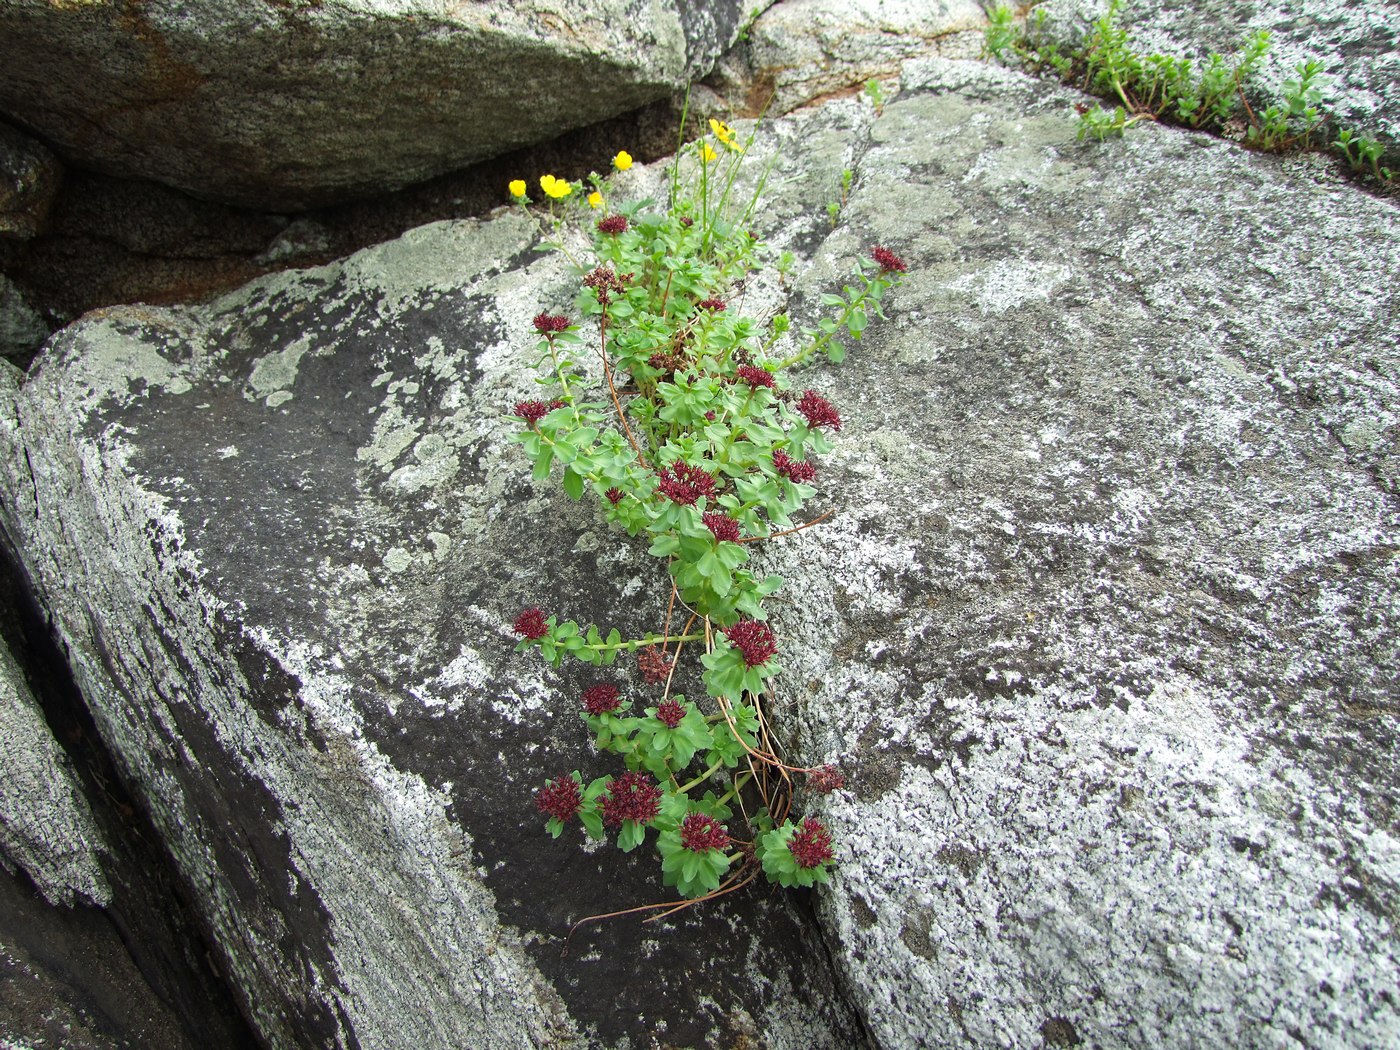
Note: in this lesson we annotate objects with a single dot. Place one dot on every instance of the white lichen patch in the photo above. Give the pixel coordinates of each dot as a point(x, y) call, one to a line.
point(1007, 285)
point(273, 375)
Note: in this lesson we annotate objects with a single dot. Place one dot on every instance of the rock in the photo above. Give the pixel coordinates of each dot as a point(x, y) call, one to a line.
point(1358, 44)
point(281, 106)
point(29, 179)
point(46, 827)
point(802, 50)
point(1103, 628)
point(22, 330)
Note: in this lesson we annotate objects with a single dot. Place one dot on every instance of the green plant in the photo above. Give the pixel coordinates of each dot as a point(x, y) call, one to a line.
point(833, 208)
point(687, 432)
point(1098, 123)
point(874, 92)
point(1366, 158)
point(1002, 34)
point(1291, 124)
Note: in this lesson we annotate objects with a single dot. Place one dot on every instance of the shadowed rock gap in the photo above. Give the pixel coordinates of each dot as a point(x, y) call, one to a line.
point(150, 912)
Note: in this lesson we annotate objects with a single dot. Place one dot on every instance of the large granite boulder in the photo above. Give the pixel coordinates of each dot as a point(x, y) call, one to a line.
point(1104, 625)
point(280, 105)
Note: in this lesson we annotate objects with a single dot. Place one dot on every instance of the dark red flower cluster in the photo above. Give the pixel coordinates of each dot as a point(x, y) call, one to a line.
point(818, 411)
point(687, 221)
point(561, 798)
point(811, 843)
point(547, 324)
point(605, 283)
point(614, 495)
point(793, 469)
point(613, 224)
point(722, 525)
point(632, 796)
point(601, 699)
point(826, 780)
point(671, 712)
point(531, 623)
point(888, 260)
point(711, 304)
point(681, 483)
point(754, 376)
point(754, 639)
point(700, 832)
point(531, 411)
point(654, 664)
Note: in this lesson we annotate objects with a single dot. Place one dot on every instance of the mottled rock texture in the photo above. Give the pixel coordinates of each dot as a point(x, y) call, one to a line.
point(801, 50)
point(21, 327)
point(46, 827)
point(1357, 41)
point(1103, 628)
point(29, 179)
point(278, 104)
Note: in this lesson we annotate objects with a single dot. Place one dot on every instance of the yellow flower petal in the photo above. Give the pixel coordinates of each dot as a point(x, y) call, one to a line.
point(707, 154)
point(722, 131)
point(622, 161)
point(595, 199)
point(517, 187)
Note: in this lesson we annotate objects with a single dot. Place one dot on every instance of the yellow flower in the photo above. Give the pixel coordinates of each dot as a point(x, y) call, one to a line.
point(724, 133)
point(556, 188)
point(517, 188)
point(707, 154)
point(622, 161)
point(595, 199)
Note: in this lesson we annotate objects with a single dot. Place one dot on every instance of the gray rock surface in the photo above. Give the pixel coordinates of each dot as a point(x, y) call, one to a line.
point(1357, 41)
point(29, 180)
point(46, 827)
point(273, 104)
point(801, 50)
point(1107, 624)
point(1104, 626)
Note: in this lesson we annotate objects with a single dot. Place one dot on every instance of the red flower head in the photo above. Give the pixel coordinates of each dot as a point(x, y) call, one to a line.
point(531, 623)
point(700, 832)
point(793, 469)
point(826, 780)
point(605, 283)
point(754, 376)
point(559, 798)
point(671, 713)
point(614, 495)
point(531, 411)
point(722, 525)
point(818, 411)
point(684, 484)
point(613, 224)
point(654, 664)
point(632, 796)
point(754, 639)
point(711, 304)
point(811, 843)
point(888, 260)
point(547, 324)
point(601, 699)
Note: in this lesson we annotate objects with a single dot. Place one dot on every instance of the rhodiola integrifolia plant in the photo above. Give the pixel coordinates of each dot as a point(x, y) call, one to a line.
point(695, 438)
